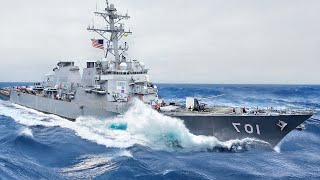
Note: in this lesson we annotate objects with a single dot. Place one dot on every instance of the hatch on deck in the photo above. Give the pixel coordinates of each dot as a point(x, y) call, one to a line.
point(65, 64)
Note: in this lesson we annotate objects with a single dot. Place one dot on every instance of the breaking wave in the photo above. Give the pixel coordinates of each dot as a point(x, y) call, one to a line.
point(90, 167)
point(140, 125)
point(166, 131)
point(27, 132)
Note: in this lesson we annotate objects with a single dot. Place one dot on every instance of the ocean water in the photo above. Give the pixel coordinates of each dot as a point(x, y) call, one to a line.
point(143, 144)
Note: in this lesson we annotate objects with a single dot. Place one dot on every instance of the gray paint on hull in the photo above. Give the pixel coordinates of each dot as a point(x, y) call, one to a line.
point(4, 97)
point(222, 126)
point(210, 125)
point(69, 110)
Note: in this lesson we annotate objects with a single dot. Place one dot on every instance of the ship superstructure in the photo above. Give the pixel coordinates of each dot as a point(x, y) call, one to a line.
point(120, 77)
point(106, 86)
point(117, 77)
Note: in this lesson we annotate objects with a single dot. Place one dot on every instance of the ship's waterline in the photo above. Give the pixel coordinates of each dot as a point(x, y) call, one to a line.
point(223, 127)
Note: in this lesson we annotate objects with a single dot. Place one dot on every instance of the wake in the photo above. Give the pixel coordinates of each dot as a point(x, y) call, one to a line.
point(141, 125)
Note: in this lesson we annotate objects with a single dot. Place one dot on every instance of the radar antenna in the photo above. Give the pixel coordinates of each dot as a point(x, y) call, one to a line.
point(115, 29)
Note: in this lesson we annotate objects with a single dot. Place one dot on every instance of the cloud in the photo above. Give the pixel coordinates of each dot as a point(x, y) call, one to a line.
point(185, 41)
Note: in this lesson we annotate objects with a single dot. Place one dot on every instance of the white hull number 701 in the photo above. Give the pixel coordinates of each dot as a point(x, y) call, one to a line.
point(248, 128)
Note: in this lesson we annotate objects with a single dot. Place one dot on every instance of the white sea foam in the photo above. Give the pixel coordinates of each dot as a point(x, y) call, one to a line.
point(144, 126)
point(89, 167)
point(125, 153)
point(26, 132)
point(277, 148)
point(162, 131)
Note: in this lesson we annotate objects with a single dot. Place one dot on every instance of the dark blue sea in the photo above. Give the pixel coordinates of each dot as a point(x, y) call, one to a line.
point(34, 145)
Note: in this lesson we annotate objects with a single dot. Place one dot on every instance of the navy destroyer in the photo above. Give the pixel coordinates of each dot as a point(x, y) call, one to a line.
point(107, 88)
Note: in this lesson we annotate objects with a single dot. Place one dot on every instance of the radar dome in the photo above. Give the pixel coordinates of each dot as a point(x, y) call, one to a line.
point(142, 65)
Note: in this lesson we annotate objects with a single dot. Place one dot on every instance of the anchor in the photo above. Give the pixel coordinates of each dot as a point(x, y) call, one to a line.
point(282, 124)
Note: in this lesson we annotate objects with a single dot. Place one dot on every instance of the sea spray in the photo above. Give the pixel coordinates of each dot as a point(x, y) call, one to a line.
point(90, 166)
point(87, 128)
point(140, 125)
point(164, 131)
point(26, 132)
point(118, 126)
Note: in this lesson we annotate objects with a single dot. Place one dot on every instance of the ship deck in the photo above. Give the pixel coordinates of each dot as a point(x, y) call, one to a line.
point(230, 111)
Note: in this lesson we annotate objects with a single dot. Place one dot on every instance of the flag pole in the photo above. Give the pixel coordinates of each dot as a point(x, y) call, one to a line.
point(104, 49)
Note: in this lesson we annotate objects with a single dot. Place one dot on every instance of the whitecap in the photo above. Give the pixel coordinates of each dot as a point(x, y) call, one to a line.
point(89, 167)
point(145, 127)
point(125, 153)
point(277, 149)
point(26, 132)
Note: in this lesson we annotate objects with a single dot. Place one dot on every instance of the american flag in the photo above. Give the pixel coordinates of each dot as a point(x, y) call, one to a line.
point(97, 43)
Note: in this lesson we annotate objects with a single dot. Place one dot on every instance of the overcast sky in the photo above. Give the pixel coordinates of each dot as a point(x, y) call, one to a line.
point(180, 41)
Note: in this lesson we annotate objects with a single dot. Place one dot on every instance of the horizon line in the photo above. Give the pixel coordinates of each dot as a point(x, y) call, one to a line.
point(182, 83)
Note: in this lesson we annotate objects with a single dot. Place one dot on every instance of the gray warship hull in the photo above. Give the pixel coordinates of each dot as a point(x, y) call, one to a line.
point(71, 110)
point(223, 127)
point(226, 128)
point(4, 94)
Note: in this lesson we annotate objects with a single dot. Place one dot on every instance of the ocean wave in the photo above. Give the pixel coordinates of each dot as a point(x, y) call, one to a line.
point(61, 149)
point(89, 167)
point(26, 132)
point(263, 96)
point(16, 167)
point(161, 131)
point(145, 127)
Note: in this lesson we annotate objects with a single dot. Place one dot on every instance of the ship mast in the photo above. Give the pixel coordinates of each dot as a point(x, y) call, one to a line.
point(116, 31)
